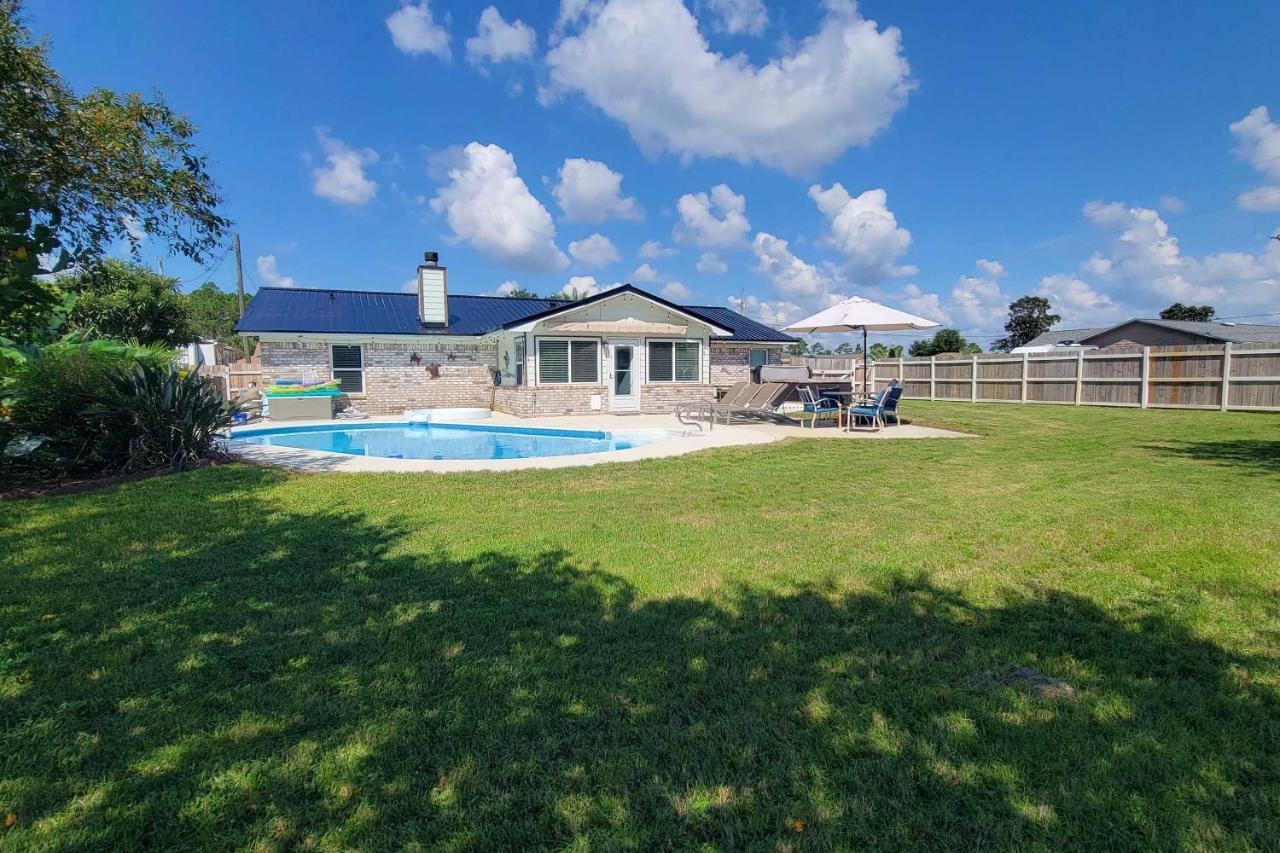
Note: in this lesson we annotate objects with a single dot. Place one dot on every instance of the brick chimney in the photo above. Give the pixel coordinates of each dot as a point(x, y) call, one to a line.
point(433, 295)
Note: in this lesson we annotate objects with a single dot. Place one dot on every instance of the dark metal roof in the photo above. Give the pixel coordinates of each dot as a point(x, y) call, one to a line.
point(744, 328)
point(367, 312)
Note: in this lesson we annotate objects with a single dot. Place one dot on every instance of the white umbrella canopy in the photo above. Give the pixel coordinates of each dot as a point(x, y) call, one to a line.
point(857, 314)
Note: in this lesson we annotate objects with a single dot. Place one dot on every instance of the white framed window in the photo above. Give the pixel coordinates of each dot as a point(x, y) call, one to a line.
point(348, 367)
point(757, 357)
point(568, 362)
point(675, 361)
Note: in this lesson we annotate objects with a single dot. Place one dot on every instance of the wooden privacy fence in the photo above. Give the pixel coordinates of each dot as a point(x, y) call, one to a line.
point(1230, 377)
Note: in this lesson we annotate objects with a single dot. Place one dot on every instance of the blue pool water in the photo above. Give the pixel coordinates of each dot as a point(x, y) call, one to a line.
point(441, 441)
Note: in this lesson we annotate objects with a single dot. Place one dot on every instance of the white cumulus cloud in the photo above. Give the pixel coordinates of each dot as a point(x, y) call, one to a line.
point(926, 305)
point(772, 312)
point(792, 276)
point(652, 249)
point(595, 251)
point(864, 230)
point(342, 178)
point(589, 191)
point(488, 205)
point(1078, 303)
point(645, 64)
point(497, 40)
point(977, 302)
point(270, 273)
point(712, 264)
point(582, 286)
point(676, 291)
point(1258, 143)
point(739, 16)
point(645, 274)
point(715, 220)
point(414, 31)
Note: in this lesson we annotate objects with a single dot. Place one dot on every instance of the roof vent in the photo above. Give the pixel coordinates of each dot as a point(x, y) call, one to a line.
point(1225, 323)
point(431, 259)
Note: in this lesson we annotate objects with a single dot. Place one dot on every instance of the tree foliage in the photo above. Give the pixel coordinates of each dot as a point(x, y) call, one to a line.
point(944, 341)
point(110, 165)
point(1029, 318)
point(1178, 311)
point(26, 236)
point(118, 299)
point(879, 352)
point(521, 293)
point(213, 314)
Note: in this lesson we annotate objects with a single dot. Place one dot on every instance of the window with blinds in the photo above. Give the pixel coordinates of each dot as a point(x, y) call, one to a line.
point(348, 367)
point(562, 362)
point(675, 361)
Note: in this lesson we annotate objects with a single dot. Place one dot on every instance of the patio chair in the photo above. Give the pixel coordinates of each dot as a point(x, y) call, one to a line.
point(872, 409)
point(819, 407)
point(744, 400)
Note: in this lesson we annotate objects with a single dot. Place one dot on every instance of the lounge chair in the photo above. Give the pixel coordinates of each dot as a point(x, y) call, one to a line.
point(744, 400)
point(819, 407)
point(873, 408)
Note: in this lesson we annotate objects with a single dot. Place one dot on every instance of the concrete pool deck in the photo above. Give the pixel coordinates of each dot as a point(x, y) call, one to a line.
point(684, 439)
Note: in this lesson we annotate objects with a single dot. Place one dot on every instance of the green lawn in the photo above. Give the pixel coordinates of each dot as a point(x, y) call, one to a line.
point(777, 647)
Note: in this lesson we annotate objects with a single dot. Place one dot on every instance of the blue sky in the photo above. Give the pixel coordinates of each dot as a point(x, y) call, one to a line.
point(1114, 158)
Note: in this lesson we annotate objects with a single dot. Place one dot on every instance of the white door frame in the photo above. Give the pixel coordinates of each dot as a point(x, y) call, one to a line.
point(630, 402)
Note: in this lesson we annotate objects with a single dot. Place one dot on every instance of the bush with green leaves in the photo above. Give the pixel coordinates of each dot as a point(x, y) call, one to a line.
point(162, 417)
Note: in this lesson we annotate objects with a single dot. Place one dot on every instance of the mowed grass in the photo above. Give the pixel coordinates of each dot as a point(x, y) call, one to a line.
point(778, 647)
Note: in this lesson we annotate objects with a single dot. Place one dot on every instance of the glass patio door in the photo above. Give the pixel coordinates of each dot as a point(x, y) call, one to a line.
point(624, 393)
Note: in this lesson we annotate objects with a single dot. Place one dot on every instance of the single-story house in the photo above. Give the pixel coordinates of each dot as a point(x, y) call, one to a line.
point(621, 350)
point(1156, 333)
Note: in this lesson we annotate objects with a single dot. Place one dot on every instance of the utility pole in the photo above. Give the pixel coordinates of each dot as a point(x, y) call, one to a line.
point(235, 241)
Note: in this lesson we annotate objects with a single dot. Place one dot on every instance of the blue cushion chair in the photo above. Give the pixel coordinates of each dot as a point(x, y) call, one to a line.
point(818, 407)
point(873, 408)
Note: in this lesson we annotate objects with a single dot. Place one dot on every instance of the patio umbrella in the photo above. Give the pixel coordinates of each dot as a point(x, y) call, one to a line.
point(858, 314)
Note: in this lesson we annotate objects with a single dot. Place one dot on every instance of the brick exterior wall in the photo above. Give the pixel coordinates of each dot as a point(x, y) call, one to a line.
point(392, 383)
point(662, 398)
point(548, 400)
point(730, 363)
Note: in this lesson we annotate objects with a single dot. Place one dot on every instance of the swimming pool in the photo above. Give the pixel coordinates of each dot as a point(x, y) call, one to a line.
point(443, 441)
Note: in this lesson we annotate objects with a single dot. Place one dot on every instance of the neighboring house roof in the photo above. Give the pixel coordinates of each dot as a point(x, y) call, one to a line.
point(366, 312)
point(1238, 333)
point(1217, 330)
point(1061, 337)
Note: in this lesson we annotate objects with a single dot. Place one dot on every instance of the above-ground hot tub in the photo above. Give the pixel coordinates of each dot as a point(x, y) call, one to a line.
point(426, 416)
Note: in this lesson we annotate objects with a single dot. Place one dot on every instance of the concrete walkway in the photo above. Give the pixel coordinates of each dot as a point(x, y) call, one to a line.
point(679, 439)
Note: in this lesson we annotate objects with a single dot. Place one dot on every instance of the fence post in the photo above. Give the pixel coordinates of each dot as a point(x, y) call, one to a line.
point(1144, 394)
point(973, 379)
point(1025, 367)
point(933, 377)
point(1226, 376)
point(1079, 375)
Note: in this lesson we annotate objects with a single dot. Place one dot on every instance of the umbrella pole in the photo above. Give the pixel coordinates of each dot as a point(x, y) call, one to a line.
point(866, 357)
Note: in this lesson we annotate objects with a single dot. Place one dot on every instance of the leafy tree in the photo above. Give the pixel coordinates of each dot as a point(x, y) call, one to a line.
point(800, 347)
point(118, 299)
point(845, 349)
point(945, 341)
point(1029, 318)
point(570, 294)
point(818, 349)
point(879, 352)
point(213, 314)
point(26, 234)
point(103, 166)
point(522, 293)
point(1178, 311)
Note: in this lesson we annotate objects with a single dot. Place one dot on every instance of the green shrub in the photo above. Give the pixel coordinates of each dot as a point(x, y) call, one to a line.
point(159, 417)
point(48, 398)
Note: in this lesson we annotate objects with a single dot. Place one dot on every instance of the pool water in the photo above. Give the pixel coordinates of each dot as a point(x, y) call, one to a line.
point(441, 441)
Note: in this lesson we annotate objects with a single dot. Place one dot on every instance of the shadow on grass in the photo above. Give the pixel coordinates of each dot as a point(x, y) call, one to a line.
point(1258, 456)
point(306, 680)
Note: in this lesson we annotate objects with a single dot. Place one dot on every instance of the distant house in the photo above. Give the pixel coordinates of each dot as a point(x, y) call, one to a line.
point(622, 350)
point(1153, 333)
